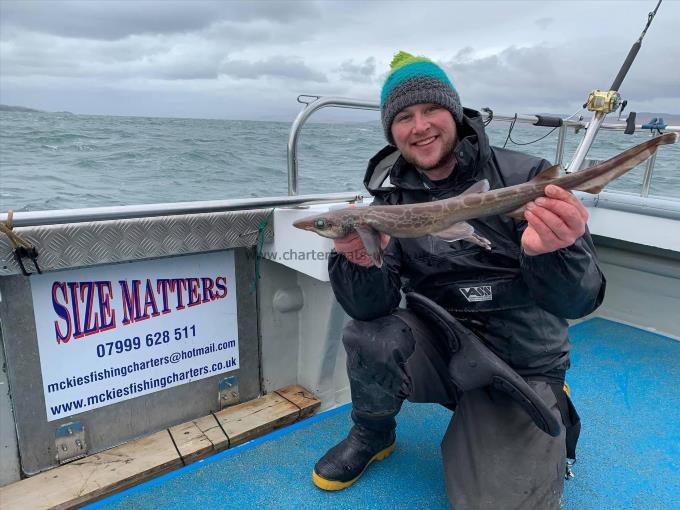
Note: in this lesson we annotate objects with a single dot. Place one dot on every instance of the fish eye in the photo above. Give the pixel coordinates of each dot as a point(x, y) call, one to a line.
point(320, 223)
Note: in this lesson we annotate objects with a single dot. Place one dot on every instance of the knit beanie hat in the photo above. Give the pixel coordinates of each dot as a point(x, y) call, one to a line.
point(413, 80)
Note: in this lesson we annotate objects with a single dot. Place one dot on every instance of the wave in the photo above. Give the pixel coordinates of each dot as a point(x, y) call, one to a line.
point(88, 161)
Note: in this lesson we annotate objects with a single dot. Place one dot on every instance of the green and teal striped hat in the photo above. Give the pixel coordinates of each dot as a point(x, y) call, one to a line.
point(413, 80)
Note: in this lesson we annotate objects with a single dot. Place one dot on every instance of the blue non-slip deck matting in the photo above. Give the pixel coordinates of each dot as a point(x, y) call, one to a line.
point(626, 386)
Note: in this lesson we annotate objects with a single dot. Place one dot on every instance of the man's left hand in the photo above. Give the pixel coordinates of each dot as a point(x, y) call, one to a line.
point(556, 221)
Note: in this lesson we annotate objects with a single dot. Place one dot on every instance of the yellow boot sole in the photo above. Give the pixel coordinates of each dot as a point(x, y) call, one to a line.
point(334, 485)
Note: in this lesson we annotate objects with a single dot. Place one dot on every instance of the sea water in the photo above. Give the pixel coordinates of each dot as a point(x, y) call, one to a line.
point(64, 161)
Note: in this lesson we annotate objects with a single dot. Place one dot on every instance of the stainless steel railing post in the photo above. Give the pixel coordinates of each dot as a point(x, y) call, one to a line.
point(561, 137)
point(647, 177)
point(300, 120)
point(591, 130)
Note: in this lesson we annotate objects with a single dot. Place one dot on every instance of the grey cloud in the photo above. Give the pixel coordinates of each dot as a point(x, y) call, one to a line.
point(361, 73)
point(169, 56)
point(158, 57)
point(220, 49)
point(464, 55)
point(544, 23)
point(256, 33)
point(545, 74)
point(110, 20)
point(275, 66)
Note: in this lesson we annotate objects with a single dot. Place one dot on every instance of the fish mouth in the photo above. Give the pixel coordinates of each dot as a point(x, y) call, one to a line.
point(304, 224)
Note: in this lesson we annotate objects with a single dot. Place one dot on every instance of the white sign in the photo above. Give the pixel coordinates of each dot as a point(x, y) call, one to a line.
point(112, 333)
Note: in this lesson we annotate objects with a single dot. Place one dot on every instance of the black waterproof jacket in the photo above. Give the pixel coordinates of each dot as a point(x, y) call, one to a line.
point(516, 304)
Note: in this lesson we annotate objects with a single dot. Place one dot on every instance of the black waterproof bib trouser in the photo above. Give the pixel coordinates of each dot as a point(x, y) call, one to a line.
point(496, 453)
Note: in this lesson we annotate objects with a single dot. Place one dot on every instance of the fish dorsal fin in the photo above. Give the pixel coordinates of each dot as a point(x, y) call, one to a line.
point(550, 173)
point(478, 187)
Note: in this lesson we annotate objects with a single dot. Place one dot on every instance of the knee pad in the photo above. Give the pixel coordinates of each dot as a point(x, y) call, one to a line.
point(473, 365)
point(382, 340)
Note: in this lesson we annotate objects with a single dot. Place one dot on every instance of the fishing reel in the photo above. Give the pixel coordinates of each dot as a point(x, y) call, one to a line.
point(603, 101)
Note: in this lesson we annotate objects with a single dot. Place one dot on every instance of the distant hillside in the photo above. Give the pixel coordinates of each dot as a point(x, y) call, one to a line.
point(8, 108)
point(672, 119)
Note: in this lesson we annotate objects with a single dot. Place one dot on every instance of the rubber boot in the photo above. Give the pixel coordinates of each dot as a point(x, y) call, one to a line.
point(346, 462)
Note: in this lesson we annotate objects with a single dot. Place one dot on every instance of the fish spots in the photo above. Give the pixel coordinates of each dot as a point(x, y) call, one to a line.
point(506, 192)
point(473, 200)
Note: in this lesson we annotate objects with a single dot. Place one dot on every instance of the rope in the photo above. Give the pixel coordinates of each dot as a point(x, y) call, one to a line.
point(489, 112)
point(21, 248)
point(14, 239)
point(512, 125)
point(261, 229)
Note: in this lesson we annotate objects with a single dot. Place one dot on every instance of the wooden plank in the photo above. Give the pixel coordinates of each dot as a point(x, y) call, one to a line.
point(99, 475)
point(92, 477)
point(213, 431)
point(302, 398)
point(246, 421)
point(197, 439)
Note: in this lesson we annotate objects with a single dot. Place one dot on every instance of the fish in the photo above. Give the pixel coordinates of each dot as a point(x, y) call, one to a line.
point(447, 219)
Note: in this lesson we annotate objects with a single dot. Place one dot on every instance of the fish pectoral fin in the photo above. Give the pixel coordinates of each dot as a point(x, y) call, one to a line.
point(371, 239)
point(550, 173)
point(455, 232)
point(463, 232)
point(475, 238)
point(478, 187)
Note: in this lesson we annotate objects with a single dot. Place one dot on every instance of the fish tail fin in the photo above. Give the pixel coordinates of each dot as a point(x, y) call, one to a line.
point(598, 182)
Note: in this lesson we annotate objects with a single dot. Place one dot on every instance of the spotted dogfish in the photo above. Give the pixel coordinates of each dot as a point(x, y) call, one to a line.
point(447, 219)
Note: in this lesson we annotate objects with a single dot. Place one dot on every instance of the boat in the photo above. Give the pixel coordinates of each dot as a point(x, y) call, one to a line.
point(188, 354)
point(144, 345)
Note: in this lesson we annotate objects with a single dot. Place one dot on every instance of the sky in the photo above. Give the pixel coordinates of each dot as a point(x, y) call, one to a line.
point(251, 60)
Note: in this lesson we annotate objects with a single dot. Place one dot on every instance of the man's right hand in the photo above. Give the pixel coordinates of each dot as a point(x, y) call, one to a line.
point(352, 247)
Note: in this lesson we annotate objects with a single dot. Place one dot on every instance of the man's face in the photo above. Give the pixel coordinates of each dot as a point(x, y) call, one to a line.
point(426, 136)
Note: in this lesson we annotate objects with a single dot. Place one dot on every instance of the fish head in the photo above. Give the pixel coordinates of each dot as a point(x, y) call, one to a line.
point(325, 225)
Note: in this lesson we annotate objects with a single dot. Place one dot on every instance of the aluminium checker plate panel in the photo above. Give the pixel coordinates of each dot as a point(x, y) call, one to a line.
point(86, 244)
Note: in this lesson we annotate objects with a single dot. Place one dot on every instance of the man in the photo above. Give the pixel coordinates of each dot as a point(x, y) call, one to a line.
point(515, 298)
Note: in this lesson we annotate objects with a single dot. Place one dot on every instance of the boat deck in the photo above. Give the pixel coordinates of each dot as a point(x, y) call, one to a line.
point(625, 386)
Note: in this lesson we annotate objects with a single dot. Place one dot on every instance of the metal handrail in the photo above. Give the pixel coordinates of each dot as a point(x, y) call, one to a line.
point(125, 212)
point(309, 109)
point(342, 102)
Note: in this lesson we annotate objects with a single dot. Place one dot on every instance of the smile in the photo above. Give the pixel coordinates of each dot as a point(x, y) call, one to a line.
point(427, 141)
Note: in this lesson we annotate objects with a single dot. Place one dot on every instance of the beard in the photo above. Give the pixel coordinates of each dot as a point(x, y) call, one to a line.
point(446, 157)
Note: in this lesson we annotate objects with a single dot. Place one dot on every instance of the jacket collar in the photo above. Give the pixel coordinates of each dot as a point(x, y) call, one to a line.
point(472, 153)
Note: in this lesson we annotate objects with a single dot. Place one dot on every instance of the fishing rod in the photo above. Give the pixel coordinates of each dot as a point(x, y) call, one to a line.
point(602, 102)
